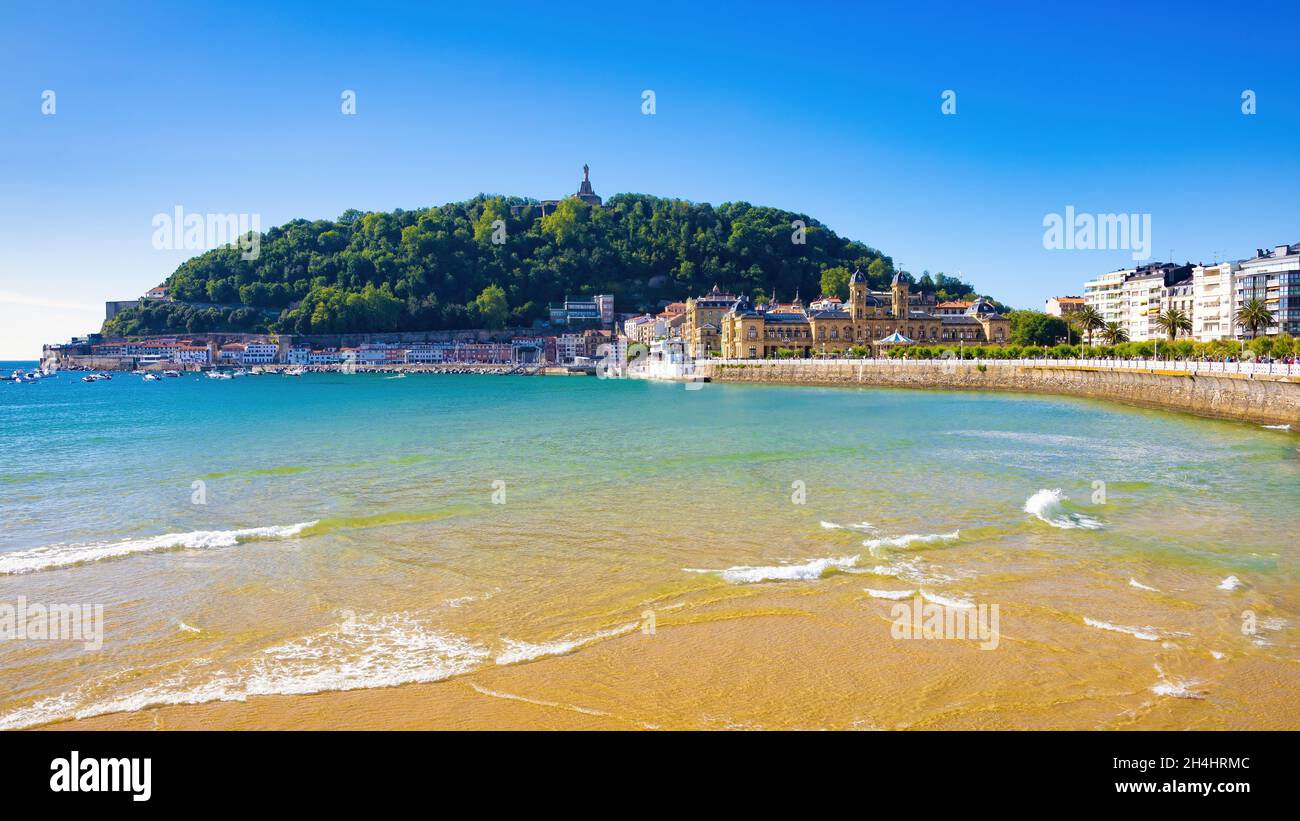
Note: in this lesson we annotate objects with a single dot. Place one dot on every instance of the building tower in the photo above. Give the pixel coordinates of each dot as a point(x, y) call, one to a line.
point(858, 295)
point(899, 290)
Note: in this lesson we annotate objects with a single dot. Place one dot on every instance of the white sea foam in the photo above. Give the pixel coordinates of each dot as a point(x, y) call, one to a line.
point(945, 601)
point(517, 651)
point(64, 555)
point(1144, 633)
point(182, 625)
point(912, 570)
point(1217, 655)
point(1175, 688)
point(364, 652)
point(814, 569)
point(1140, 586)
point(892, 595)
point(855, 526)
point(1049, 506)
point(903, 542)
point(1231, 583)
point(1276, 427)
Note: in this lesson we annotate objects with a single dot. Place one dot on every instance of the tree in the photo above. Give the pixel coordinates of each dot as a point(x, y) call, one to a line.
point(1254, 314)
point(1114, 333)
point(879, 272)
point(492, 306)
point(1172, 320)
point(835, 282)
point(1036, 328)
point(1088, 319)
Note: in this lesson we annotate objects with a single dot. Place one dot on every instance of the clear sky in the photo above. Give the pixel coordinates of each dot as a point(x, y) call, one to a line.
point(830, 109)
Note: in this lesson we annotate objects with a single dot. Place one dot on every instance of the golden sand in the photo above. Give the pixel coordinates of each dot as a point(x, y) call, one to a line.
point(787, 660)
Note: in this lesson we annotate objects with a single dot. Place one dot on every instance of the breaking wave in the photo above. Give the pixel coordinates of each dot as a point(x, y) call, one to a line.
point(904, 542)
point(1144, 633)
point(892, 595)
point(361, 653)
point(519, 651)
point(64, 555)
point(814, 569)
point(1050, 506)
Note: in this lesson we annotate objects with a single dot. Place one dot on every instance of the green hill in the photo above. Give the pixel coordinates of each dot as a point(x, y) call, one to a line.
point(436, 268)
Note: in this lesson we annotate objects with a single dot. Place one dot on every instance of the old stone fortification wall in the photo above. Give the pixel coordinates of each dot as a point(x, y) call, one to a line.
point(1261, 399)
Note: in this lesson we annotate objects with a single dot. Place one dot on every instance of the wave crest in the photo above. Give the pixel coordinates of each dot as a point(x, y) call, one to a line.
point(65, 555)
point(815, 569)
point(1049, 506)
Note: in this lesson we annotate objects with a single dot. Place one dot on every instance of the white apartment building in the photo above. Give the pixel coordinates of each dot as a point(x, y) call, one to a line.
point(1135, 297)
point(641, 328)
point(260, 353)
point(192, 355)
point(1213, 301)
point(424, 353)
point(1272, 276)
point(1143, 299)
point(1106, 294)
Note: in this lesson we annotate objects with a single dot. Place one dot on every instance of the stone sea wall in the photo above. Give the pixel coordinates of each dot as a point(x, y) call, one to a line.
point(1261, 399)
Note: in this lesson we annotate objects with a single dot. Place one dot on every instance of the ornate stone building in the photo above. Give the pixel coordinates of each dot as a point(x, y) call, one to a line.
point(702, 330)
point(750, 332)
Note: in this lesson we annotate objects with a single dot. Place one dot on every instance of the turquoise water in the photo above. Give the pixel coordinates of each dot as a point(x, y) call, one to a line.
point(290, 535)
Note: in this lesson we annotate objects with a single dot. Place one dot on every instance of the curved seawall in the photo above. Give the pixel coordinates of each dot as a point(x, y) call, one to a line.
point(1258, 398)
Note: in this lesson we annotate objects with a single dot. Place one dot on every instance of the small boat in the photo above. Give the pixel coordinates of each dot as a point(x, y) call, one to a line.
point(219, 375)
point(152, 377)
point(240, 372)
point(93, 377)
point(295, 372)
point(172, 374)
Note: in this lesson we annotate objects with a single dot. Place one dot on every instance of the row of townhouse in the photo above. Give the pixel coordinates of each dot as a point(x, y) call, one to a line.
point(591, 344)
point(248, 353)
point(1210, 295)
point(178, 351)
point(518, 350)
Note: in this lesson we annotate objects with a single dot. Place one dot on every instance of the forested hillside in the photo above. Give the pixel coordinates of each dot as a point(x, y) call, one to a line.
point(440, 268)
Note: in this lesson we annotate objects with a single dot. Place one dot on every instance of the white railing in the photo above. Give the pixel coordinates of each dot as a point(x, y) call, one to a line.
point(1149, 365)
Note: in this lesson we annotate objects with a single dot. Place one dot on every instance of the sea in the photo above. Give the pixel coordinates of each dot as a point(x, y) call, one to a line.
point(668, 556)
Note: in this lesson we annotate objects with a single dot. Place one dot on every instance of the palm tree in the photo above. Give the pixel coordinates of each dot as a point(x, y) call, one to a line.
point(1254, 314)
point(1114, 333)
point(1088, 319)
point(1172, 320)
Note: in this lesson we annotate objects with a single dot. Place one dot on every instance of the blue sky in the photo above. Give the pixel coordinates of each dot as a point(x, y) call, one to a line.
point(829, 109)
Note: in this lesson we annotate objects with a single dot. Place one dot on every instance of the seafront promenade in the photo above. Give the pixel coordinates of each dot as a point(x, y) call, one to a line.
point(1263, 393)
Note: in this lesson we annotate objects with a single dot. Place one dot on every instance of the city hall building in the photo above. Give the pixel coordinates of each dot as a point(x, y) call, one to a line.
point(756, 332)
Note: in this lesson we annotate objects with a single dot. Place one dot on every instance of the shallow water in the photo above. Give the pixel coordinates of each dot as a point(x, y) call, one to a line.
point(292, 535)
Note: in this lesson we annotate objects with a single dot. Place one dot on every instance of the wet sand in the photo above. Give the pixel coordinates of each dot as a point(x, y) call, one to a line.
point(796, 667)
